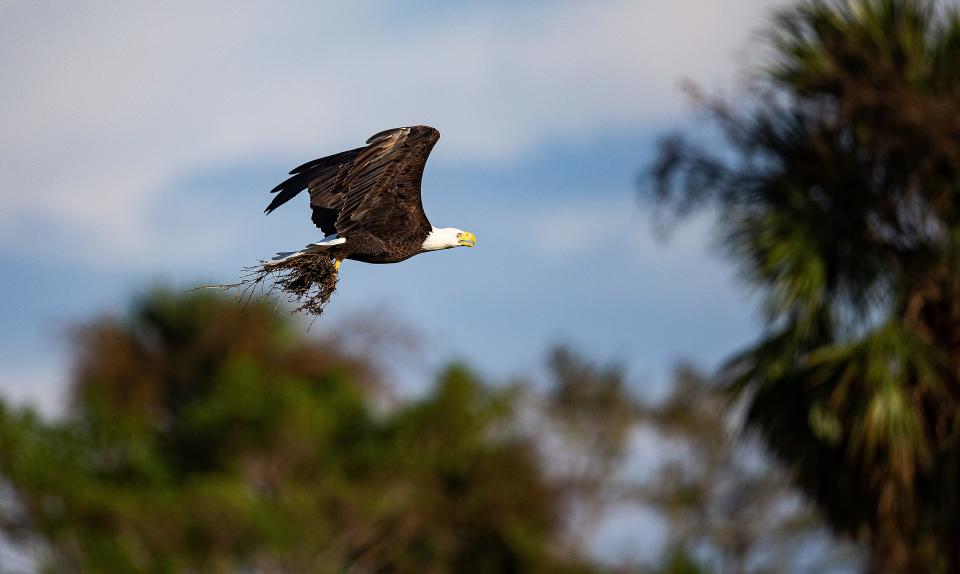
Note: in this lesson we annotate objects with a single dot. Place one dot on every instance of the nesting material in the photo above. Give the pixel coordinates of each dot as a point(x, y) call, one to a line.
point(306, 281)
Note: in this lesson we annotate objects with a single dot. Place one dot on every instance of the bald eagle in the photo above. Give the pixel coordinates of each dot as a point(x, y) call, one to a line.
point(367, 201)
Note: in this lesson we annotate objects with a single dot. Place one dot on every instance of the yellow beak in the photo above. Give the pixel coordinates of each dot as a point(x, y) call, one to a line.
point(467, 239)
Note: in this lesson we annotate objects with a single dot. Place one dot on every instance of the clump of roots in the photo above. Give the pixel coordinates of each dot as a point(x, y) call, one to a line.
point(306, 282)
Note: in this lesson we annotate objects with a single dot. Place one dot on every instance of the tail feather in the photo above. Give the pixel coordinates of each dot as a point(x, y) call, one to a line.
point(282, 256)
point(322, 245)
point(326, 243)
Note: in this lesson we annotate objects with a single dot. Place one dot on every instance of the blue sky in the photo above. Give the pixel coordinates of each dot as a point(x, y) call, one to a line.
point(140, 141)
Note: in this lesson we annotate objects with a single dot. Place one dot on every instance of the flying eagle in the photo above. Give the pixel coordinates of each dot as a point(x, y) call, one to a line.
point(367, 201)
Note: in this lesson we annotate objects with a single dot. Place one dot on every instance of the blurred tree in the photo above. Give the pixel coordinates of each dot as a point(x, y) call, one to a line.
point(729, 508)
point(206, 437)
point(203, 437)
point(591, 413)
point(837, 196)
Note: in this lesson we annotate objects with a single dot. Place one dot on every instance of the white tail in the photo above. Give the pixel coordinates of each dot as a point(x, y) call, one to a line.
point(322, 245)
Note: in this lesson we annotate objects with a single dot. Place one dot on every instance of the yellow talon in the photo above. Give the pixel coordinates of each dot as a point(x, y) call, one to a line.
point(336, 264)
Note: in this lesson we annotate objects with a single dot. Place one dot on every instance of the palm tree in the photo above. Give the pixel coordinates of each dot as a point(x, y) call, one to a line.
point(837, 197)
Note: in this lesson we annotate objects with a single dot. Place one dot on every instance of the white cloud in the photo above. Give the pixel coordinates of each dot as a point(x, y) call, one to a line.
point(105, 105)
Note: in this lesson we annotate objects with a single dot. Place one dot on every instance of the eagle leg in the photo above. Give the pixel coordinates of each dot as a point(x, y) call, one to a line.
point(336, 264)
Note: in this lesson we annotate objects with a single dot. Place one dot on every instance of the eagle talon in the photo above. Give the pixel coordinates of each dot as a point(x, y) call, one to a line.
point(336, 264)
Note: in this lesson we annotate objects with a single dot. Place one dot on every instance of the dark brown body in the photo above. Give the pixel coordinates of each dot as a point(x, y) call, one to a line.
point(371, 249)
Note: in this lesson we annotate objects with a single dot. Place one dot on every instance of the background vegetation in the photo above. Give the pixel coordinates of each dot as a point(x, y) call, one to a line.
point(203, 436)
point(837, 198)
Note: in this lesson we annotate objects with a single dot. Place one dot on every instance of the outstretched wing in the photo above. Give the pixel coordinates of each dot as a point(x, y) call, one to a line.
point(374, 188)
point(324, 178)
point(383, 188)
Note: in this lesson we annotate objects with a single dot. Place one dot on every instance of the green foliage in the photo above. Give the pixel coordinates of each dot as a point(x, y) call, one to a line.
point(593, 404)
point(839, 204)
point(208, 438)
point(679, 561)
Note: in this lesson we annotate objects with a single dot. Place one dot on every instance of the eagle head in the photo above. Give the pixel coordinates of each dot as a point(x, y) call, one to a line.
point(447, 237)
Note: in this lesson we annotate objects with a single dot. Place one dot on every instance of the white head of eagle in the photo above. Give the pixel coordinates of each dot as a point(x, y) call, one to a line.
point(447, 237)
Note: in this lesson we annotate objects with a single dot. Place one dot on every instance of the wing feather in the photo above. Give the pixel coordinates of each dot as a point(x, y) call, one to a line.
point(321, 173)
point(383, 193)
point(375, 188)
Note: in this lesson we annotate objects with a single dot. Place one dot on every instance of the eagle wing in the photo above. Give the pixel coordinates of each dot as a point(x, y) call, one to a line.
point(375, 188)
point(383, 189)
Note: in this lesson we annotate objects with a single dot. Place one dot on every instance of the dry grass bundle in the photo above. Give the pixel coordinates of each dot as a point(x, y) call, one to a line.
point(307, 281)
